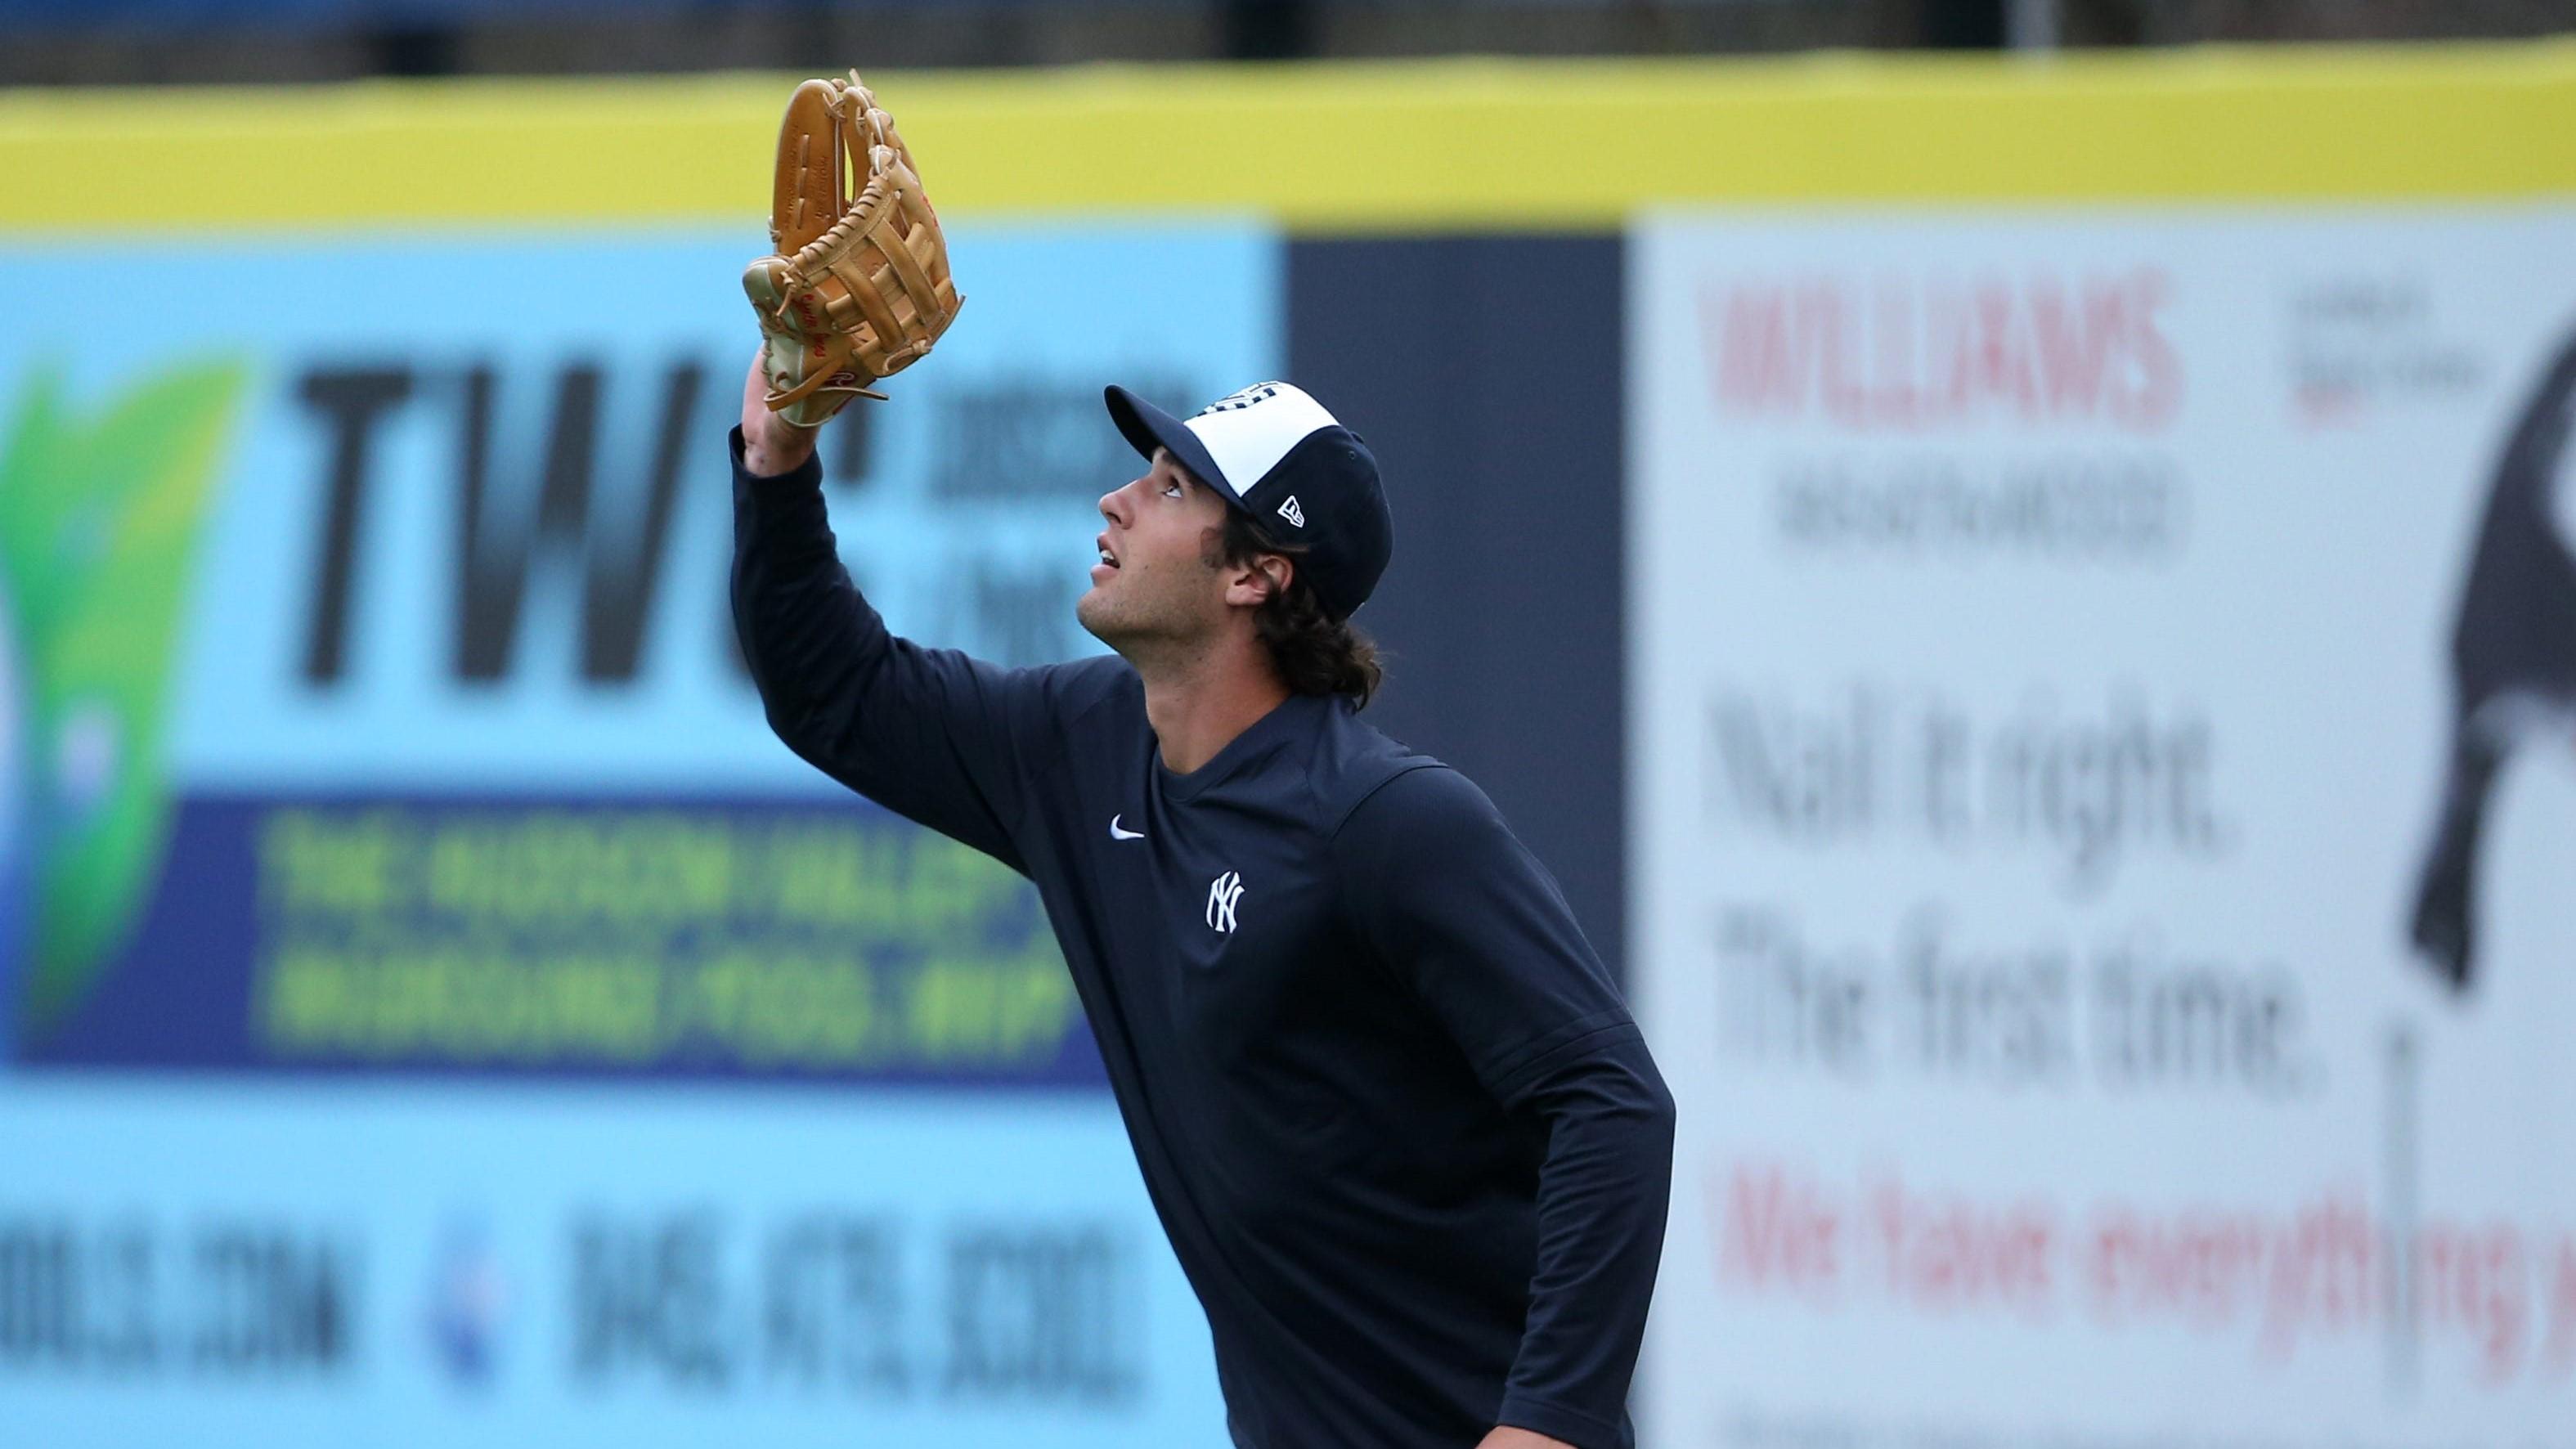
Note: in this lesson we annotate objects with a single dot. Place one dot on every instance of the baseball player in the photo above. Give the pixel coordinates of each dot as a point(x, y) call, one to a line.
point(1403, 1133)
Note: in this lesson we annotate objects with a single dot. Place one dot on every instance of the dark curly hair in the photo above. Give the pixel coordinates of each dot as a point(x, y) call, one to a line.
point(1315, 652)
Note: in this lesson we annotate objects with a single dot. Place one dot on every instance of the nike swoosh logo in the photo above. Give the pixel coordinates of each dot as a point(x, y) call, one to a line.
point(1117, 834)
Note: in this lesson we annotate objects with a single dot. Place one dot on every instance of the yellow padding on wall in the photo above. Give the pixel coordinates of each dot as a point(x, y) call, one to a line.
point(1333, 147)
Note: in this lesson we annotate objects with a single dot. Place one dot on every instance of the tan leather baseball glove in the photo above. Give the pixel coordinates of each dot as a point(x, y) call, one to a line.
point(859, 288)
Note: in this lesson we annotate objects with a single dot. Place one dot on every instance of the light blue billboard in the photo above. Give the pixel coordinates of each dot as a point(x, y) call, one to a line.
point(431, 1004)
point(259, 1264)
point(397, 566)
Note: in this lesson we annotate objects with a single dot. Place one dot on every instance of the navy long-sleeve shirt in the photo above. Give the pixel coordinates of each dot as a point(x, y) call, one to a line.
point(1400, 1127)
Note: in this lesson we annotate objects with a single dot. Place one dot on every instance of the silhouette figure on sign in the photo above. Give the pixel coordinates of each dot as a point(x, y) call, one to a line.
point(2513, 660)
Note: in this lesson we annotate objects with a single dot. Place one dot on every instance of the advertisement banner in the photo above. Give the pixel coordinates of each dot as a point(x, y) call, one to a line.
point(370, 688)
point(255, 1263)
point(2103, 800)
point(370, 713)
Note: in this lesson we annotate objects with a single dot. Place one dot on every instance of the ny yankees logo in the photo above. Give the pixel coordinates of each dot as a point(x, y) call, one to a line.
point(1223, 892)
point(1237, 401)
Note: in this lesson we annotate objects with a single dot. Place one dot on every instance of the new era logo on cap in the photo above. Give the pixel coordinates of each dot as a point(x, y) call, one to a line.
point(1275, 453)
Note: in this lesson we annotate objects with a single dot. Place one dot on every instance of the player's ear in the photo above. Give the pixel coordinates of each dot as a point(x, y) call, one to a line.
point(1266, 577)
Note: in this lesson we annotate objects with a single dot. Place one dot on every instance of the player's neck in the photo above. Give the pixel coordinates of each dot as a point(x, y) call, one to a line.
point(1198, 702)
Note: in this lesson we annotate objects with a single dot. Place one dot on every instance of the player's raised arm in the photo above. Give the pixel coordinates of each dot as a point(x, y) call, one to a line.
point(928, 733)
point(772, 447)
point(858, 290)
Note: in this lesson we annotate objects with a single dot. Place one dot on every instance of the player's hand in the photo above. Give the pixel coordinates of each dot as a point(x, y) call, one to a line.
point(1510, 1438)
point(771, 445)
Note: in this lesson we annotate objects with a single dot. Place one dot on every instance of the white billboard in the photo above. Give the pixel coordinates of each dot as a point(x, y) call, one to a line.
point(2103, 759)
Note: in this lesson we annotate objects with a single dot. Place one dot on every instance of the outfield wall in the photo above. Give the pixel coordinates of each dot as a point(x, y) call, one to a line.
point(1952, 563)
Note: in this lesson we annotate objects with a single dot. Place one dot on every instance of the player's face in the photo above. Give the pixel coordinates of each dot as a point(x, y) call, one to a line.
point(1154, 579)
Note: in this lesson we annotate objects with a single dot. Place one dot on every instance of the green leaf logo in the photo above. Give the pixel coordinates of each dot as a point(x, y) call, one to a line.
point(99, 524)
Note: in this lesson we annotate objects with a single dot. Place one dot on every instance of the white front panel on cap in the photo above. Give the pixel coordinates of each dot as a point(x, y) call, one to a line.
point(1248, 432)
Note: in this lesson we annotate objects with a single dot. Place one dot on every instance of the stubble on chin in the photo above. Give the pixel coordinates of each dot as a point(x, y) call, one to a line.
point(1147, 614)
point(1091, 612)
point(1104, 618)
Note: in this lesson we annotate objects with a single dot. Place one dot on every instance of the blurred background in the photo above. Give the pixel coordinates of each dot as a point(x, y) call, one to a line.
point(2017, 558)
point(56, 42)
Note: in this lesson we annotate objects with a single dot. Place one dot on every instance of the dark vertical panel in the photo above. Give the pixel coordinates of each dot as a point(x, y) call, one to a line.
point(1486, 373)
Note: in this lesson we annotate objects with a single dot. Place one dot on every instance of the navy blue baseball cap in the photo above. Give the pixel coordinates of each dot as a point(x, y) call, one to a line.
point(1275, 454)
